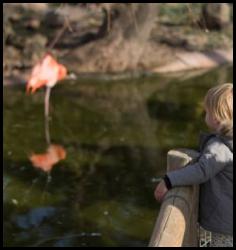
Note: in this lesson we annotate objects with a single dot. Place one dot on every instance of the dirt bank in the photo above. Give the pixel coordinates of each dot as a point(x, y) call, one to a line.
point(111, 38)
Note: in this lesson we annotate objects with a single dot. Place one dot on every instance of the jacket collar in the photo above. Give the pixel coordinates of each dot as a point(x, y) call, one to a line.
point(204, 137)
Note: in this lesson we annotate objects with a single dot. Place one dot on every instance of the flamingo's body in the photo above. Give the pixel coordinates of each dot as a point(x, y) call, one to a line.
point(46, 73)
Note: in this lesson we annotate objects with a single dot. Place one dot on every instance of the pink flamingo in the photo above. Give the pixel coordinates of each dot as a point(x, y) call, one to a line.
point(47, 73)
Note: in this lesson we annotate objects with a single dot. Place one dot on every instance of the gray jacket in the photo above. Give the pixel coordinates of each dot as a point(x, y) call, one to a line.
point(214, 171)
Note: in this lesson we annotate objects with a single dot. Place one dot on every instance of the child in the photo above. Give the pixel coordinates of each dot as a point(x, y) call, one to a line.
point(213, 169)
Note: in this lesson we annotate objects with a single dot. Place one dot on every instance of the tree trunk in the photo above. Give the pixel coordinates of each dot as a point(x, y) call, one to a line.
point(125, 33)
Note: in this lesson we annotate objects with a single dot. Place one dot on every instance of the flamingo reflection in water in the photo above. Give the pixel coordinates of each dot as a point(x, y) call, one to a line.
point(47, 160)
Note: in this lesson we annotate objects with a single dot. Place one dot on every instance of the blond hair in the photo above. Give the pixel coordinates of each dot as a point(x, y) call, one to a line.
point(219, 102)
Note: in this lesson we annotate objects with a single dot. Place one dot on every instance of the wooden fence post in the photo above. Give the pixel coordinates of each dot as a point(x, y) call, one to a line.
point(176, 225)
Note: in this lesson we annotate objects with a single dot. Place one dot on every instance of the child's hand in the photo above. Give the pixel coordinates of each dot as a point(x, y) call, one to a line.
point(160, 191)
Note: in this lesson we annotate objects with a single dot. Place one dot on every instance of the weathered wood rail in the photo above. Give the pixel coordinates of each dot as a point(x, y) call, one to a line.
point(176, 225)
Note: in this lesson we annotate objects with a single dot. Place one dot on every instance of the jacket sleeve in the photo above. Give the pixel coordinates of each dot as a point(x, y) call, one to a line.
point(215, 157)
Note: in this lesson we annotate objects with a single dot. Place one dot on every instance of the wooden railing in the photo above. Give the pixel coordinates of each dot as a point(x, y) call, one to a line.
point(176, 225)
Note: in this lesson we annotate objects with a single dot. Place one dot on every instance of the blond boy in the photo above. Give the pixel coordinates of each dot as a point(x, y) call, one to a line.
point(213, 169)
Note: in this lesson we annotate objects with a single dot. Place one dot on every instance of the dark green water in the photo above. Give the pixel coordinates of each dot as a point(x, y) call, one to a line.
point(116, 134)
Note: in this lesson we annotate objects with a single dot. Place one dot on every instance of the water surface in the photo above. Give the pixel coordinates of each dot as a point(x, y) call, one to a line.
point(117, 135)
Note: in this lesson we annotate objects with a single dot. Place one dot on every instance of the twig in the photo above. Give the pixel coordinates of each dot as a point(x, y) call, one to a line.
point(194, 20)
point(59, 34)
point(64, 237)
point(63, 29)
point(108, 20)
point(134, 18)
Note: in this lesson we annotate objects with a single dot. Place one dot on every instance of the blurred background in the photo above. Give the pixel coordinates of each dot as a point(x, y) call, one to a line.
point(137, 76)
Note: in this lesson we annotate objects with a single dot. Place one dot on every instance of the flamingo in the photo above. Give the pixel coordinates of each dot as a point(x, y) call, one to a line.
point(47, 73)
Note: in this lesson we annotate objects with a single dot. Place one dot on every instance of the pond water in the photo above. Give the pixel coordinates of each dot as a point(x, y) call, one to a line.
point(116, 135)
